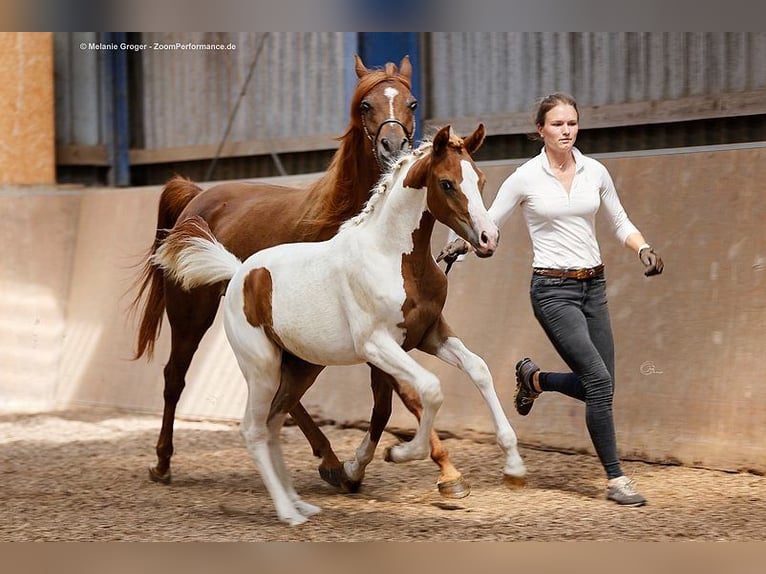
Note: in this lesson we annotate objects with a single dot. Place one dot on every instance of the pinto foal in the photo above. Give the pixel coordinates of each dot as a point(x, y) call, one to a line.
point(344, 301)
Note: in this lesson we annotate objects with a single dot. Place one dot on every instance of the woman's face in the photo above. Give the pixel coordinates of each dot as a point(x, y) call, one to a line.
point(560, 130)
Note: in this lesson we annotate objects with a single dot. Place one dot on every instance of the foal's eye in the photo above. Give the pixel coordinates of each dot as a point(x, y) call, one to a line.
point(365, 106)
point(414, 105)
point(446, 185)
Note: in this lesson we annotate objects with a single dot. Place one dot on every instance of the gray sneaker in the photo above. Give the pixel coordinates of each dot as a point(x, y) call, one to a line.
point(623, 491)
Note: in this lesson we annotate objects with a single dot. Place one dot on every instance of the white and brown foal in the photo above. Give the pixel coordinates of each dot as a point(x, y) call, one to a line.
point(367, 295)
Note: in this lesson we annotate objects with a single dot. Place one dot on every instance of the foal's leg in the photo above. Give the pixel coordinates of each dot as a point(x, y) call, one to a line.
point(451, 483)
point(260, 364)
point(442, 342)
point(386, 354)
point(190, 314)
point(297, 376)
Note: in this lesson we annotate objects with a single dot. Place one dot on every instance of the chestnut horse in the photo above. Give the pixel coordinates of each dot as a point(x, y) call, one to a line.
point(369, 294)
point(248, 217)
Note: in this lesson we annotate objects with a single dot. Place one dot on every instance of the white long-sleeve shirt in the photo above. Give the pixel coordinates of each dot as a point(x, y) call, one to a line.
point(562, 225)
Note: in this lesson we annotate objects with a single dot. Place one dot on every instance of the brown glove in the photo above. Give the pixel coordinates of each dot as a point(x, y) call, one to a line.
point(652, 262)
point(452, 251)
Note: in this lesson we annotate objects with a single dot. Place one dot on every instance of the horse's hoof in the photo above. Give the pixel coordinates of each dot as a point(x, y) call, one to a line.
point(331, 475)
point(157, 476)
point(387, 455)
point(514, 482)
point(337, 477)
point(458, 488)
point(351, 486)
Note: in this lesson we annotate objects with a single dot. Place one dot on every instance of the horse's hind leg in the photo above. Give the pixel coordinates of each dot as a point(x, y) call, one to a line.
point(190, 315)
point(296, 377)
point(259, 359)
point(278, 460)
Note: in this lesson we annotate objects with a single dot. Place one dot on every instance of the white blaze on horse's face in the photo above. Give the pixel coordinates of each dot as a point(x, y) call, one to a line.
point(391, 94)
point(389, 119)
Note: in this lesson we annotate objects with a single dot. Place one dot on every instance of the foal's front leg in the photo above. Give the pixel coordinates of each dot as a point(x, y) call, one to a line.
point(450, 483)
point(441, 342)
point(385, 353)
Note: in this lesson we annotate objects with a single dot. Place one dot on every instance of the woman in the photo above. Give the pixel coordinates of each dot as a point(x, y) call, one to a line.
point(559, 192)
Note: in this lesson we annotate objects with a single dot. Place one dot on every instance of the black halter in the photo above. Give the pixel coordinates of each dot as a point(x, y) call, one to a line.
point(373, 140)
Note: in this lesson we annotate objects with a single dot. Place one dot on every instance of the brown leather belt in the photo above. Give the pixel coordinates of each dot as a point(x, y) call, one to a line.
point(588, 273)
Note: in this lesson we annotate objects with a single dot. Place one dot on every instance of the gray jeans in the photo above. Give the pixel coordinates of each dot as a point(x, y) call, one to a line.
point(575, 316)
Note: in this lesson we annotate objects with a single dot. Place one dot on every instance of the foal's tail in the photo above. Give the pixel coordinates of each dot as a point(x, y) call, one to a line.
point(176, 195)
point(192, 256)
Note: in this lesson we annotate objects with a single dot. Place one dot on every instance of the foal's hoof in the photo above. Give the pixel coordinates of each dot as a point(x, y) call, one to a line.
point(337, 477)
point(458, 488)
point(157, 476)
point(514, 482)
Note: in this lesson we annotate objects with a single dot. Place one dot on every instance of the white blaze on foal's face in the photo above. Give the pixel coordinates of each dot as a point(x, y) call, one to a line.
point(470, 188)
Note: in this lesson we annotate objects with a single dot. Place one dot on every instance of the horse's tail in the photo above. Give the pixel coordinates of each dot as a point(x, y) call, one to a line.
point(192, 256)
point(176, 195)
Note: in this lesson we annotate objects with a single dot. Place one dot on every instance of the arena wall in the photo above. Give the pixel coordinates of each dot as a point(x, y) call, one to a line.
point(689, 366)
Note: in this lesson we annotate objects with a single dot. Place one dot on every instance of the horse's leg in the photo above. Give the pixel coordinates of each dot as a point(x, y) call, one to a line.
point(296, 377)
point(386, 354)
point(260, 364)
point(441, 342)
point(190, 314)
point(451, 483)
point(278, 461)
point(382, 389)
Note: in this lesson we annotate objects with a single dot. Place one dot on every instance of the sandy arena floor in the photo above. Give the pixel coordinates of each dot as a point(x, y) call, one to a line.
point(81, 476)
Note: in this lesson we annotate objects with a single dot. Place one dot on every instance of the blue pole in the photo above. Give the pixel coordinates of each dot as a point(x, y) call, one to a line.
point(117, 125)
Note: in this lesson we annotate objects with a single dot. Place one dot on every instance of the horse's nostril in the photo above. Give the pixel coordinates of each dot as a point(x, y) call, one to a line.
point(386, 144)
point(484, 238)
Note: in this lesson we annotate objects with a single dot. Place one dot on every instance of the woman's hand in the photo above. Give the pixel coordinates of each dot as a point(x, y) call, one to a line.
point(652, 262)
point(452, 251)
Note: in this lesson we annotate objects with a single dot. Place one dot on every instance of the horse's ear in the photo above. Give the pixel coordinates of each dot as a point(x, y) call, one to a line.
point(474, 141)
point(359, 67)
point(441, 139)
point(405, 68)
point(416, 178)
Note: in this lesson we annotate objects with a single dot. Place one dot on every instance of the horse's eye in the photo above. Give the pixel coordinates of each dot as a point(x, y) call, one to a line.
point(365, 106)
point(446, 185)
point(414, 105)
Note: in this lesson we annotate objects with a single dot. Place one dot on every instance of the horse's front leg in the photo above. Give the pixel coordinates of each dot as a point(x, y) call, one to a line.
point(441, 342)
point(451, 483)
point(382, 390)
point(386, 354)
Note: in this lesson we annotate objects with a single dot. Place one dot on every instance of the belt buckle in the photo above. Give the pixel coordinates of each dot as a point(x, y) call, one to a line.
point(583, 273)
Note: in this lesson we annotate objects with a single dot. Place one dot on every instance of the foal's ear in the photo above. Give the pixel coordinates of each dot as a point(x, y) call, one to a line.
point(417, 177)
point(441, 139)
point(359, 67)
point(474, 141)
point(405, 68)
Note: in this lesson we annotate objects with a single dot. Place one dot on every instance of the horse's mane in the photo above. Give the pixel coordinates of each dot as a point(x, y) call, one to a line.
point(386, 182)
point(335, 196)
